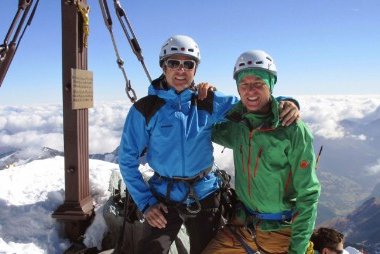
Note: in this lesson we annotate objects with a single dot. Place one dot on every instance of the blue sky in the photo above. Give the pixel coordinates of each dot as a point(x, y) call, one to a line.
point(320, 47)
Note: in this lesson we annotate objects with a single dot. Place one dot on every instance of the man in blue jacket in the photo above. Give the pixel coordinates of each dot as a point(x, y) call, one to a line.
point(174, 127)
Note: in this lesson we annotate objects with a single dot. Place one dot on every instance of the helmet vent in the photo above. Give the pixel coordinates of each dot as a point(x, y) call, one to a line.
point(180, 45)
point(254, 59)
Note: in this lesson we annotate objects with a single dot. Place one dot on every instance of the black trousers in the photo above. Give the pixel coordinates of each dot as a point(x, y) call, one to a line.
point(201, 228)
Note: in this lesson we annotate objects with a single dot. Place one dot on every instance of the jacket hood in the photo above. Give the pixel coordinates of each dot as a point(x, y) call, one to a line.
point(240, 114)
point(161, 88)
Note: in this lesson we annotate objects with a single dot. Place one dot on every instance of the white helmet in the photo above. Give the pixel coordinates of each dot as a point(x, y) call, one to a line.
point(180, 44)
point(255, 59)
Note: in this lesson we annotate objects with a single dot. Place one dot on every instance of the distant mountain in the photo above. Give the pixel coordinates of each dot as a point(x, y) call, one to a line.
point(324, 213)
point(20, 157)
point(376, 191)
point(110, 157)
point(343, 168)
point(362, 225)
point(4, 154)
point(114, 157)
point(339, 196)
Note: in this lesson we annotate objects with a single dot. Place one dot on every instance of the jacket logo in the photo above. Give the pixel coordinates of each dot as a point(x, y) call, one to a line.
point(304, 164)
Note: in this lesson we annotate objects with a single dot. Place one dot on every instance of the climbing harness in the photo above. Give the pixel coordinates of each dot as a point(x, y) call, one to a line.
point(131, 39)
point(193, 206)
point(251, 219)
point(284, 216)
point(8, 48)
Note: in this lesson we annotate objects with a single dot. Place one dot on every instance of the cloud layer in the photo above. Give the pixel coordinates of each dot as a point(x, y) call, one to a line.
point(347, 127)
point(39, 126)
point(30, 127)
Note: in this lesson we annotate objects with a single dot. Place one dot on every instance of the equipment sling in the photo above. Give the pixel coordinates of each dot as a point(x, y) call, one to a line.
point(8, 49)
point(131, 39)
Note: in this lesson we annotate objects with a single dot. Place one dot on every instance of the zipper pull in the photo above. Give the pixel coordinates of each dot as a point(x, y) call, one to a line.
point(260, 152)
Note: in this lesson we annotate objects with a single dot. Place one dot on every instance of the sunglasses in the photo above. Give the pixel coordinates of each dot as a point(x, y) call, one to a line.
point(175, 64)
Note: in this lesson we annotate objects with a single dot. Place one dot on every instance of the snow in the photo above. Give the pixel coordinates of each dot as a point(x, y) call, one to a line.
point(28, 196)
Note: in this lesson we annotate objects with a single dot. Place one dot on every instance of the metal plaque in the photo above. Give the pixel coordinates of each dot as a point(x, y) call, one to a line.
point(82, 89)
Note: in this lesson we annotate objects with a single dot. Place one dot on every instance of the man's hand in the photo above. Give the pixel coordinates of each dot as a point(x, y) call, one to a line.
point(203, 89)
point(288, 113)
point(155, 217)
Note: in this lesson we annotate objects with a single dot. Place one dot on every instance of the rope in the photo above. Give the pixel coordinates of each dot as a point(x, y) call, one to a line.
point(130, 36)
point(128, 31)
point(108, 22)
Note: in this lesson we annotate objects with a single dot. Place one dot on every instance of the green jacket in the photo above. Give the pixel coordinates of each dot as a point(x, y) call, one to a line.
point(274, 169)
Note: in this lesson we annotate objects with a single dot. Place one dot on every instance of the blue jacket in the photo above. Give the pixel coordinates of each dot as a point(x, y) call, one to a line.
point(175, 128)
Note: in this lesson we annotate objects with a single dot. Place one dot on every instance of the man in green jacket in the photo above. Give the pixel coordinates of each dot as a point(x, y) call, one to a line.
point(275, 177)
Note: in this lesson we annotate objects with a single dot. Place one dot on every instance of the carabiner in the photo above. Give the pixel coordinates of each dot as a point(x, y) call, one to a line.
point(130, 92)
point(196, 199)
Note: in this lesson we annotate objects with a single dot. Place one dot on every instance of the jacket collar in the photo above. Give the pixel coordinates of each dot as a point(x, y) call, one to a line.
point(254, 121)
point(161, 88)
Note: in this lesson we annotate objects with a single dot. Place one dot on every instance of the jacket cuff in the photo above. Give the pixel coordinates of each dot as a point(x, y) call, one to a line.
point(152, 201)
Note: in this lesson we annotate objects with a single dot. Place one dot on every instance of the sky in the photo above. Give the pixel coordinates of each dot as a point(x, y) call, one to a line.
point(319, 47)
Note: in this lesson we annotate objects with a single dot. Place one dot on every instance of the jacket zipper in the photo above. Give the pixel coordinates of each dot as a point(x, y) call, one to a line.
point(249, 162)
point(182, 137)
point(257, 161)
point(288, 181)
point(242, 158)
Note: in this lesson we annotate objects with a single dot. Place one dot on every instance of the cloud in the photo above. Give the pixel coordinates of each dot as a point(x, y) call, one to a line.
point(374, 169)
point(39, 126)
point(106, 122)
point(325, 114)
point(29, 127)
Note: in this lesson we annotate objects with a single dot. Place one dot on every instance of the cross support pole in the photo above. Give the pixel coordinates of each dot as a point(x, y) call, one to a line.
point(77, 210)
